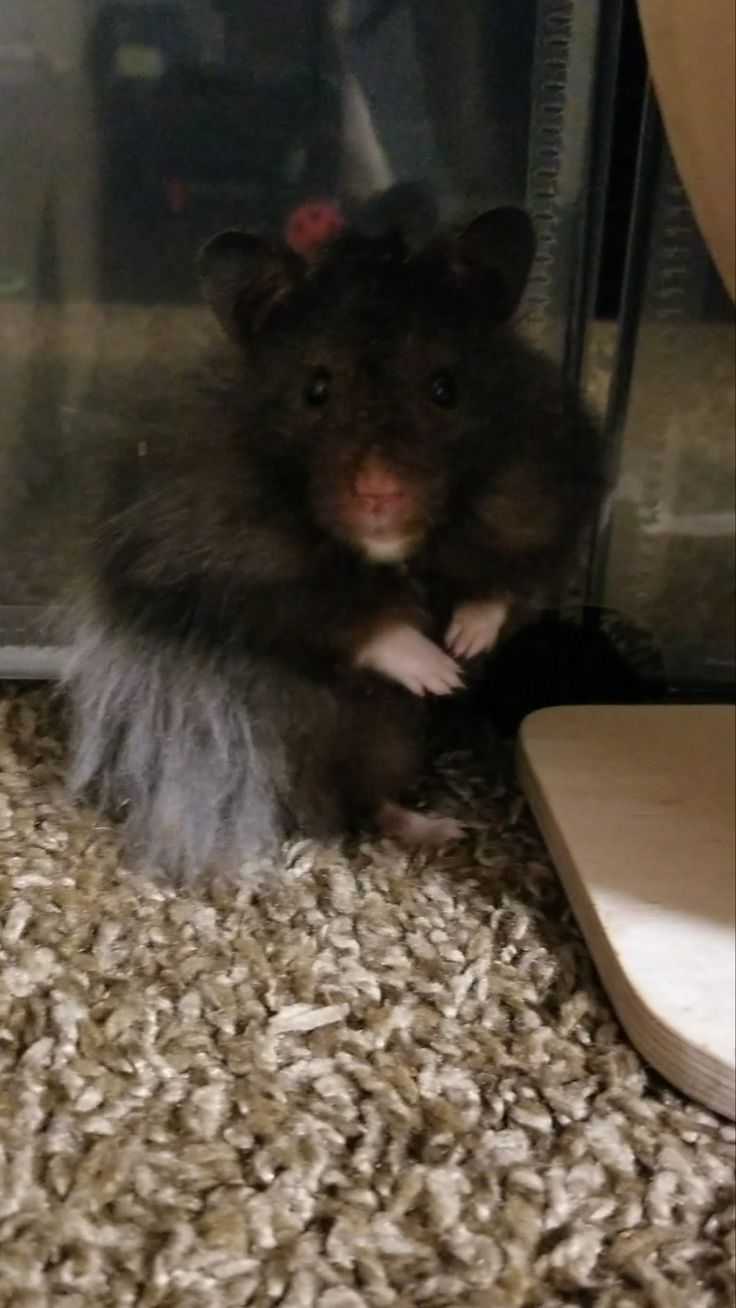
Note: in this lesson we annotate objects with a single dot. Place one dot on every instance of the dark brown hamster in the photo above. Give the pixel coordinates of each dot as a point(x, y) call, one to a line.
point(297, 549)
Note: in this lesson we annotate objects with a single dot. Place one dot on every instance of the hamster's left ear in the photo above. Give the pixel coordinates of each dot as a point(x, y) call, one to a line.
point(243, 276)
point(496, 252)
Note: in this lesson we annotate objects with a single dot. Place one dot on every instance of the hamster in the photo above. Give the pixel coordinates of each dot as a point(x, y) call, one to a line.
point(299, 547)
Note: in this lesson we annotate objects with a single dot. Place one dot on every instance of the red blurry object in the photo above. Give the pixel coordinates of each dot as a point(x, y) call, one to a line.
point(312, 225)
point(176, 195)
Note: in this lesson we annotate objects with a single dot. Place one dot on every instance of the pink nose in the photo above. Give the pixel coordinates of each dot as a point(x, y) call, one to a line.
point(375, 481)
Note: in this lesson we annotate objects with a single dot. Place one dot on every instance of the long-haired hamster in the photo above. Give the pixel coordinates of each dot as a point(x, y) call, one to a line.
point(300, 545)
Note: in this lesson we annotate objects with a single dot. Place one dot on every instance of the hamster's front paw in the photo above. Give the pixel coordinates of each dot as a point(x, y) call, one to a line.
point(403, 654)
point(475, 627)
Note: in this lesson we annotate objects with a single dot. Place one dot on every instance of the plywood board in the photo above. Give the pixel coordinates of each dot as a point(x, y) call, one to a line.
point(637, 807)
point(691, 48)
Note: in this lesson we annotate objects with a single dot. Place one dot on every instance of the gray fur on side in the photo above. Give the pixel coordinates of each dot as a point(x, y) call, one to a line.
point(168, 740)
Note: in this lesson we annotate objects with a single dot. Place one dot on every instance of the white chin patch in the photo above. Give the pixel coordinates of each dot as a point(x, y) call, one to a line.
point(386, 551)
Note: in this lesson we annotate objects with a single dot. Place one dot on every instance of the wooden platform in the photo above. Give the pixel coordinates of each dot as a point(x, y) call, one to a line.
point(637, 807)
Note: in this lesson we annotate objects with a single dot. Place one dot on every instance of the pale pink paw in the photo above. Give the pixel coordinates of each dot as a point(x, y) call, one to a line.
point(475, 627)
point(418, 829)
point(403, 654)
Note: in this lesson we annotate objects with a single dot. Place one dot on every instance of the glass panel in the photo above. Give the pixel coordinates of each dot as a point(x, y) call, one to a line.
point(130, 131)
point(668, 561)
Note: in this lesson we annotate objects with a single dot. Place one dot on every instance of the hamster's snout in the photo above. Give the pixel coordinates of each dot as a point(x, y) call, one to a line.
point(378, 487)
point(380, 510)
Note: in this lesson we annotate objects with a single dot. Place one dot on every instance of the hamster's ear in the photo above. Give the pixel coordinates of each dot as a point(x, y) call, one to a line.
point(496, 253)
point(242, 276)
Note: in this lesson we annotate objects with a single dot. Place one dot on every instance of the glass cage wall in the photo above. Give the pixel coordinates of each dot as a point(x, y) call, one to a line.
point(132, 130)
point(666, 556)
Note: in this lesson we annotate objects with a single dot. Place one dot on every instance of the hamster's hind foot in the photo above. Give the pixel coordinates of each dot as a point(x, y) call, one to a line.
point(420, 830)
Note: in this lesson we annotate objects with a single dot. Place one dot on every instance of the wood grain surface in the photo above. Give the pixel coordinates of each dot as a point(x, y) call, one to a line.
point(637, 807)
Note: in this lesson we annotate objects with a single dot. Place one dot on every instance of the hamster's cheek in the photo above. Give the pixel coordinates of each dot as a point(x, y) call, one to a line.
point(518, 514)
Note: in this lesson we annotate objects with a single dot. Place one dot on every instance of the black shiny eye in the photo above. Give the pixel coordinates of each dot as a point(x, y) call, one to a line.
point(443, 389)
point(317, 389)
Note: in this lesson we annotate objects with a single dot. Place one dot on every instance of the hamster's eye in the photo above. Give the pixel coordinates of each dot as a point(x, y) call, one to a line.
point(318, 387)
point(443, 389)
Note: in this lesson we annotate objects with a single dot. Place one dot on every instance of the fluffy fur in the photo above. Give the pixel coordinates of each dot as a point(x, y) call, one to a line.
point(238, 676)
point(165, 740)
point(203, 759)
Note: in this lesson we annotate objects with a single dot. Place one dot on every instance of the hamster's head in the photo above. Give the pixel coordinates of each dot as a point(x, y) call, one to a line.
point(364, 373)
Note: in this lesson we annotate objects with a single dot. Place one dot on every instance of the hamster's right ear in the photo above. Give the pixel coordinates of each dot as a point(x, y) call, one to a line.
point(495, 253)
point(243, 276)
